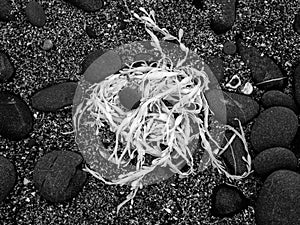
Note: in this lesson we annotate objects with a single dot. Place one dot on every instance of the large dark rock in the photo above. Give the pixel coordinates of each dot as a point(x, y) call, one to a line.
point(297, 84)
point(58, 177)
point(16, 120)
point(87, 5)
point(234, 154)
point(227, 201)
point(8, 176)
point(273, 159)
point(278, 202)
point(7, 70)
point(55, 97)
point(237, 106)
point(296, 24)
point(6, 10)
point(265, 73)
point(274, 127)
point(221, 23)
point(35, 14)
point(278, 98)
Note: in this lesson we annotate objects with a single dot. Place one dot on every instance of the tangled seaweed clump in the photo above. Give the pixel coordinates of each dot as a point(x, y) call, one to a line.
point(172, 113)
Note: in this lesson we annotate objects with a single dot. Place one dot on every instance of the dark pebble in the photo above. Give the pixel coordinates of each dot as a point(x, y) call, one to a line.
point(90, 58)
point(16, 120)
point(6, 11)
point(274, 127)
point(87, 5)
point(223, 23)
point(296, 24)
point(265, 73)
point(233, 155)
point(105, 65)
point(7, 69)
point(129, 97)
point(227, 201)
point(55, 97)
point(278, 202)
point(297, 84)
point(278, 98)
point(260, 28)
point(273, 159)
point(58, 177)
point(229, 48)
point(90, 32)
point(227, 106)
point(35, 14)
point(199, 4)
point(8, 176)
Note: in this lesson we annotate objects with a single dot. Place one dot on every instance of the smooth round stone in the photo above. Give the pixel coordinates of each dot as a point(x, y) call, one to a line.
point(278, 202)
point(129, 97)
point(7, 69)
point(229, 48)
point(8, 176)
point(16, 120)
point(274, 127)
point(58, 177)
point(35, 14)
point(273, 159)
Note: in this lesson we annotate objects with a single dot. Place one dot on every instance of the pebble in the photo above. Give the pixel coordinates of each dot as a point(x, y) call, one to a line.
point(274, 127)
point(247, 88)
point(278, 201)
point(233, 155)
point(265, 73)
point(16, 120)
point(6, 11)
point(296, 24)
point(90, 58)
point(278, 98)
point(58, 177)
point(234, 82)
point(229, 48)
point(105, 65)
point(90, 32)
point(199, 4)
point(227, 106)
point(273, 159)
point(7, 69)
point(222, 23)
point(47, 45)
point(227, 201)
point(87, 5)
point(260, 28)
point(35, 14)
point(129, 97)
point(55, 97)
point(8, 176)
point(297, 84)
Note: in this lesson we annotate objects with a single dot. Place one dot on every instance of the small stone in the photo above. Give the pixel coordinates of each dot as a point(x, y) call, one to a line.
point(58, 177)
point(199, 4)
point(278, 98)
point(274, 127)
point(6, 11)
point(130, 97)
point(16, 120)
point(278, 201)
point(227, 201)
point(296, 24)
point(47, 45)
point(107, 64)
point(222, 23)
point(90, 32)
point(55, 97)
point(87, 5)
point(260, 28)
point(273, 159)
point(234, 82)
point(8, 176)
point(35, 14)
point(229, 48)
point(247, 88)
point(7, 70)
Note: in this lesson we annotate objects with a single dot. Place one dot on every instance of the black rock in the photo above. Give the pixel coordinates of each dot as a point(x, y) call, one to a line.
point(199, 4)
point(265, 73)
point(8, 176)
point(55, 97)
point(223, 22)
point(278, 201)
point(227, 106)
point(278, 98)
point(260, 28)
point(90, 58)
point(273, 159)
point(229, 48)
point(6, 10)
point(274, 127)
point(35, 14)
point(233, 155)
point(296, 24)
point(87, 5)
point(7, 69)
point(227, 201)
point(297, 84)
point(91, 32)
point(58, 177)
point(16, 120)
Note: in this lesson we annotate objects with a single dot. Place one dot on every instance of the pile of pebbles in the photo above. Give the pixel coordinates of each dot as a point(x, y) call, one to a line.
point(44, 183)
